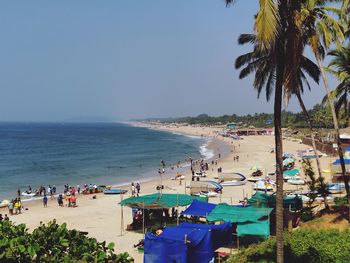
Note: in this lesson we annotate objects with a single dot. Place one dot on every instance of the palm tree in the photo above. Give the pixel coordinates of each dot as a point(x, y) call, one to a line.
point(270, 32)
point(341, 65)
point(264, 67)
point(323, 31)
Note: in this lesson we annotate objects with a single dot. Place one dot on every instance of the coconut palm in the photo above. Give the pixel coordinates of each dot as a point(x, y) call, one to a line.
point(274, 24)
point(340, 67)
point(264, 67)
point(324, 30)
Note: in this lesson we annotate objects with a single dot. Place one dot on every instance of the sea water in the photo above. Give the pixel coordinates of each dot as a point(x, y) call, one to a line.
point(45, 154)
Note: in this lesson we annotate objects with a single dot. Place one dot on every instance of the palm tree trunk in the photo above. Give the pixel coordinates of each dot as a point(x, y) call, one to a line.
point(279, 173)
point(337, 132)
point(308, 120)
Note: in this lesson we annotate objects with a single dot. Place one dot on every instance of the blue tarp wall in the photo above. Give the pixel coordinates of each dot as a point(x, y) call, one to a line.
point(198, 208)
point(346, 161)
point(202, 241)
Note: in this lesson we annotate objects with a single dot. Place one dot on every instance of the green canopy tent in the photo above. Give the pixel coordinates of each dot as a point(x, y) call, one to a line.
point(260, 228)
point(233, 214)
point(264, 200)
point(250, 220)
point(159, 201)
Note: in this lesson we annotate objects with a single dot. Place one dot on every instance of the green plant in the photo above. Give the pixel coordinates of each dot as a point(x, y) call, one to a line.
point(53, 243)
point(301, 246)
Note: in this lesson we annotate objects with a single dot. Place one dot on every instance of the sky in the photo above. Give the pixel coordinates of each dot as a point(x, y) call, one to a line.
point(120, 60)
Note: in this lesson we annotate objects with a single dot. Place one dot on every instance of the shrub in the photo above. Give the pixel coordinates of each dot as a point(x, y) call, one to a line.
point(53, 243)
point(301, 246)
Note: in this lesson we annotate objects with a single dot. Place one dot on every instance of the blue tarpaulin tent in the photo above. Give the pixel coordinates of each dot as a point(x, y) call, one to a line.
point(346, 161)
point(198, 208)
point(186, 243)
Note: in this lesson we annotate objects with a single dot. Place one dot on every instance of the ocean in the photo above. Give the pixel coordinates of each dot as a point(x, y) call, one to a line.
point(77, 153)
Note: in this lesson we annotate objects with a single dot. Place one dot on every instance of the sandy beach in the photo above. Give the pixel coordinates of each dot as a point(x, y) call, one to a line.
point(100, 217)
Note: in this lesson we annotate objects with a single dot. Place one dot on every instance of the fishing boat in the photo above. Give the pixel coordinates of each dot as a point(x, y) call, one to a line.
point(207, 194)
point(114, 191)
point(233, 183)
point(311, 156)
point(255, 179)
point(231, 177)
point(4, 203)
point(336, 187)
point(304, 198)
point(264, 185)
point(296, 182)
point(204, 186)
point(29, 194)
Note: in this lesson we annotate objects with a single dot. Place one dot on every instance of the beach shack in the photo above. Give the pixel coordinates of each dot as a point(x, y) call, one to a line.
point(231, 125)
point(157, 203)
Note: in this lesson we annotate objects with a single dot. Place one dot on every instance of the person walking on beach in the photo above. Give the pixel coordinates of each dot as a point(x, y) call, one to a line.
point(45, 201)
point(138, 188)
point(132, 189)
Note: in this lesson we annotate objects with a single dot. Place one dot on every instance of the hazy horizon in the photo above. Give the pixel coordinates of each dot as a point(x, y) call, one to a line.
point(122, 60)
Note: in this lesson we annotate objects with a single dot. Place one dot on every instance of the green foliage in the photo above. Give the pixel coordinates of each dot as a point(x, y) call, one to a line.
point(301, 246)
point(321, 117)
point(316, 185)
point(53, 243)
point(341, 201)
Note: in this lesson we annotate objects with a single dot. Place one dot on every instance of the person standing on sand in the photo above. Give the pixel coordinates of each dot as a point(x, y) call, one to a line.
point(138, 188)
point(132, 189)
point(10, 207)
point(60, 200)
point(45, 201)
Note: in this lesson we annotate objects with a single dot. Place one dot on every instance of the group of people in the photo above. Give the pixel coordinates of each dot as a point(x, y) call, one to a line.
point(135, 189)
point(15, 206)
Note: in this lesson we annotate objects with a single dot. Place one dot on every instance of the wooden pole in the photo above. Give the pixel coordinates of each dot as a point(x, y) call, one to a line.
point(122, 217)
point(143, 218)
point(177, 208)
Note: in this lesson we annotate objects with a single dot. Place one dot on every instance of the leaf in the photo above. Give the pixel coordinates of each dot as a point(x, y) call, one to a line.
point(111, 246)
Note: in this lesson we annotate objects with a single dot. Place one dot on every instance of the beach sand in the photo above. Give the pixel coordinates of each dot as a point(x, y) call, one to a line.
point(101, 217)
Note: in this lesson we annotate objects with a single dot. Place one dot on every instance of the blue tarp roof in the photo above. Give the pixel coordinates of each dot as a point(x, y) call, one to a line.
point(187, 243)
point(347, 148)
point(347, 161)
point(198, 208)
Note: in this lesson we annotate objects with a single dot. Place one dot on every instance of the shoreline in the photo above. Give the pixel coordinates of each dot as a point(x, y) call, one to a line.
point(210, 145)
point(100, 217)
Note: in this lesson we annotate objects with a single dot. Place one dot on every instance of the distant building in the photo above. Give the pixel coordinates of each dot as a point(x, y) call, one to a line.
point(231, 125)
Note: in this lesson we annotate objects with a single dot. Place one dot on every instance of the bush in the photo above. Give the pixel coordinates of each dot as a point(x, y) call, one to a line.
point(53, 243)
point(340, 201)
point(301, 246)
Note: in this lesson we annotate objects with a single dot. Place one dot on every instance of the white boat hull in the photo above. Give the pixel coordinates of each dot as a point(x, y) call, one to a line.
point(233, 183)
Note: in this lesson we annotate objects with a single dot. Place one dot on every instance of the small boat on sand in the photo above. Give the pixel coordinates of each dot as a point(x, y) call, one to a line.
point(264, 185)
point(296, 182)
point(4, 203)
point(29, 194)
point(255, 179)
point(233, 183)
point(114, 191)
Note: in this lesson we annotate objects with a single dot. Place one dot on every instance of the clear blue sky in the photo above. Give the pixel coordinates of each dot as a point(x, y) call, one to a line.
point(124, 59)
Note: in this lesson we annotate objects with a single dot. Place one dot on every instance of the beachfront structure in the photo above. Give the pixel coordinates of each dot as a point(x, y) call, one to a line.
point(157, 201)
point(254, 131)
point(231, 125)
